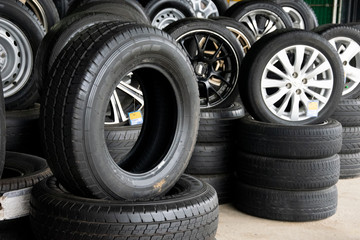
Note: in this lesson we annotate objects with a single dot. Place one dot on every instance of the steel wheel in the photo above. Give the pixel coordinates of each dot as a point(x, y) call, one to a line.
point(127, 98)
point(262, 22)
point(296, 18)
point(215, 63)
point(349, 52)
point(16, 57)
point(204, 8)
point(166, 16)
point(292, 78)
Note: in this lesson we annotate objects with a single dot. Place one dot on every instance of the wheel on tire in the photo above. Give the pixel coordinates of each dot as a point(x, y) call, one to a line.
point(20, 35)
point(346, 41)
point(188, 211)
point(171, 113)
point(163, 12)
point(2, 131)
point(291, 77)
point(208, 8)
point(301, 14)
point(261, 17)
point(216, 56)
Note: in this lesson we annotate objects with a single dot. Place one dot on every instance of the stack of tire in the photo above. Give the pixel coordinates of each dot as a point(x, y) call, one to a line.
point(346, 40)
point(287, 162)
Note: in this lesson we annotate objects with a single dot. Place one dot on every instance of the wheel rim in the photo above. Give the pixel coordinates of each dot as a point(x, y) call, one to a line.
point(204, 8)
point(349, 52)
point(296, 18)
point(167, 16)
point(262, 22)
point(215, 63)
point(293, 78)
point(240, 36)
point(126, 98)
point(16, 59)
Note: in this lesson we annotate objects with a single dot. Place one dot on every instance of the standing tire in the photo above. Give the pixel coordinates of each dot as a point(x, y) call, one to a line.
point(168, 134)
point(188, 211)
point(2, 131)
point(261, 17)
point(45, 11)
point(163, 12)
point(216, 56)
point(274, 88)
point(20, 35)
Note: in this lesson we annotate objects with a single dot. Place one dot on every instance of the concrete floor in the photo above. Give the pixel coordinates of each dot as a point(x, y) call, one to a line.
point(344, 225)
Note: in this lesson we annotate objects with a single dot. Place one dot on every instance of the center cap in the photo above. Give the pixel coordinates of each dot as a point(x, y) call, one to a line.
point(201, 68)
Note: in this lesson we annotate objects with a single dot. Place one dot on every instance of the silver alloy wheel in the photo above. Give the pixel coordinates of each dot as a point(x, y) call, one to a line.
point(262, 22)
point(16, 57)
point(204, 8)
point(296, 18)
point(167, 16)
point(127, 97)
point(293, 78)
point(349, 52)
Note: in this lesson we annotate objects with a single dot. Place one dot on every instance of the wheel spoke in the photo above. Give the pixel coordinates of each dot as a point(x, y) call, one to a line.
point(284, 104)
point(277, 71)
point(250, 21)
point(284, 59)
point(316, 95)
point(295, 108)
point(272, 83)
point(270, 27)
point(353, 74)
point(117, 109)
point(187, 51)
point(311, 61)
point(350, 51)
point(323, 67)
point(299, 58)
point(208, 10)
point(276, 96)
point(131, 91)
point(323, 84)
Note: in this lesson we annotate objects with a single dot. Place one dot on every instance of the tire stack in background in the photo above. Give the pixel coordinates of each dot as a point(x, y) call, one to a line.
point(213, 158)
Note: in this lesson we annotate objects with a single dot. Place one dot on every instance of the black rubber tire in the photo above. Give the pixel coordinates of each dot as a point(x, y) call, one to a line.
point(172, 112)
point(21, 173)
point(186, 29)
point(257, 59)
point(188, 211)
point(153, 7)
point(217, 125)
point(224, 185)
point(23, 18)
point(242, 8)
point(303, 9)
point(348, 112)
point(56, 39)
point(349, 165)
point(221, 5)
point(2, 130)
point(23, 131)
point(46, 12)
point(17, 230)
point(246, 38)
point(130, 10)
point(351, 140)
point(63, 7)
point(287, 174)
point(210, 158)
point(292, 206)
point(334, 31)
point(282, 141)
point(355, 25)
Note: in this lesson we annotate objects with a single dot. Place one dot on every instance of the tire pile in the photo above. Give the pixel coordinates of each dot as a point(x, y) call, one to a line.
point(78, 82)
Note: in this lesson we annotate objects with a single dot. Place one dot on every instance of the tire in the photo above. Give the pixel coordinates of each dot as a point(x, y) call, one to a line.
point(188, 211)
point(292, 206)
point(23, 131)
point(221, 5)
point(56, 39)
point(163, 12)
point(210, 158)
point(242, 33)
point(63, 6)
point(263, 12)
point(287, 174)
point(301, 14)
point(349, 165)
point(217, 125)
point(218, 87)
point(20, 174)
point(224, 185)
point(169, 130)
point(268, 99)
point(348, 112)
point(351, 140)
point(21, 33)
point(11, 232)
point(128, 9)
point(45, 11)
point(346, 40)
point(2, 130)
point(282, 141)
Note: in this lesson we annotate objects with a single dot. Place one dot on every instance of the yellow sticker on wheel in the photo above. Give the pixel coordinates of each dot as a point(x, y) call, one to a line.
point(135, 118)
point(313, 108)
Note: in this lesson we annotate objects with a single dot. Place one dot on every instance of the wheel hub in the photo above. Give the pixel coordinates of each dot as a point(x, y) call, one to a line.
point(201, 69)
point(3, 57)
